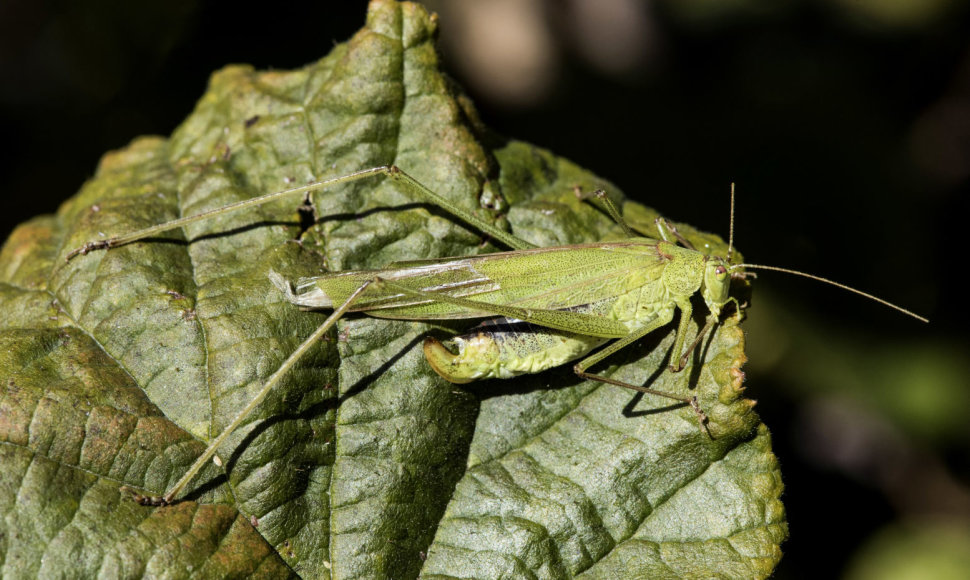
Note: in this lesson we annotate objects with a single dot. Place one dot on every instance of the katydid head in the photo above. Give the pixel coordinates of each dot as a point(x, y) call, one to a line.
point(717, 283)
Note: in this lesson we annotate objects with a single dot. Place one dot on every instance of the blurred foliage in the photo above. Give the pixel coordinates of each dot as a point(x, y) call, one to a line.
point(889, 16)
point(914, 550)
point(918, 384)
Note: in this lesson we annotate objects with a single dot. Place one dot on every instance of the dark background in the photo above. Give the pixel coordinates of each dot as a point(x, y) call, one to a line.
point(846, 125)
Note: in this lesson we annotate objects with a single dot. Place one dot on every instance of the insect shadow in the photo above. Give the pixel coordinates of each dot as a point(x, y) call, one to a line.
point(312, 412)
point(699, 354)
point(220, 234)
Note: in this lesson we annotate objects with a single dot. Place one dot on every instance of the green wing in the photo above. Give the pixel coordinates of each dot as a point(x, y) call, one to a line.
point(552, 278)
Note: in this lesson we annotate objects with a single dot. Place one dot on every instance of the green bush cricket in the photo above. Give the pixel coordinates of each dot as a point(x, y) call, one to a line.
point(541, 307)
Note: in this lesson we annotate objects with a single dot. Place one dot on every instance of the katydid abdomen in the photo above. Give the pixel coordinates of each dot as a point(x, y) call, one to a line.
point(502, 348)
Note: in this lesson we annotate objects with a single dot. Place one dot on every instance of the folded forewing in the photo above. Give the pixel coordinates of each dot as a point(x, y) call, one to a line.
point(549, 278)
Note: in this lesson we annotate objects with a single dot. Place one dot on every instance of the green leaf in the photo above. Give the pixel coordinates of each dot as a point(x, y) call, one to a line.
point(119, 365)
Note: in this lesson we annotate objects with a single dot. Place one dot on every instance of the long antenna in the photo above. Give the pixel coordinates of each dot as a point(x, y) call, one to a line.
point(833, 283)
point(730, 251)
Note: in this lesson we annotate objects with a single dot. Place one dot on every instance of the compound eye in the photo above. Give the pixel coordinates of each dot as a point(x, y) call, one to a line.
point(720, 271)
